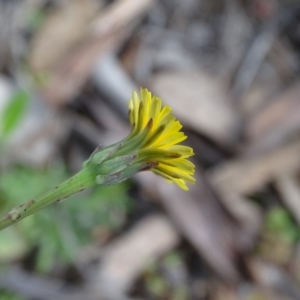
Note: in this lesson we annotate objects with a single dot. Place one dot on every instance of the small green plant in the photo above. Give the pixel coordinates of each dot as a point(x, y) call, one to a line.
point(59, 230)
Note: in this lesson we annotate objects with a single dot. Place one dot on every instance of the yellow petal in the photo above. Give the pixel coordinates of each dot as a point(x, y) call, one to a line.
point(175, 173)
point(156, 136)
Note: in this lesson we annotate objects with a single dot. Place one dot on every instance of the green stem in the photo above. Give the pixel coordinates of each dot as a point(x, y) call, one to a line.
point(80, 181)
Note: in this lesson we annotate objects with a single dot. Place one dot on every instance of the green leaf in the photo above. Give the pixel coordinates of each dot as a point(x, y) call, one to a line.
point(13, 112)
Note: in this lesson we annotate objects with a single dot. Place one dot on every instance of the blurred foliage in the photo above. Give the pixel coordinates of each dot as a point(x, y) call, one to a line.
point(13, 112)
point(279, 221)
point(5, 295)
point(280, 234)
point(61, 229)
point(35, 18)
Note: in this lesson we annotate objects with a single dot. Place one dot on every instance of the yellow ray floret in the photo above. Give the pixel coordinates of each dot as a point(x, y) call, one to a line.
point(156, 133)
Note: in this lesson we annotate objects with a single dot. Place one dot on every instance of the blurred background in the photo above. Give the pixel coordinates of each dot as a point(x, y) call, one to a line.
point(230, 71)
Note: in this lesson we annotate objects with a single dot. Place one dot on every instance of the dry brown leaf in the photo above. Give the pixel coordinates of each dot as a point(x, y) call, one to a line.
point(248, 174)
point(60, 32)
point(66, 80)
point(248, 215)
point(276, 122)
point(200, 101)
point(123, 259)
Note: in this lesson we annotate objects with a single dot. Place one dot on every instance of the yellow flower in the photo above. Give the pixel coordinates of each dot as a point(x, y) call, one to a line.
point(153, 144)
point(156, 133)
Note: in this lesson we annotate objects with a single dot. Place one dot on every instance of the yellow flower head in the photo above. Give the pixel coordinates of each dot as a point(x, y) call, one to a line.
point(156, 132)
point(151, 145)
